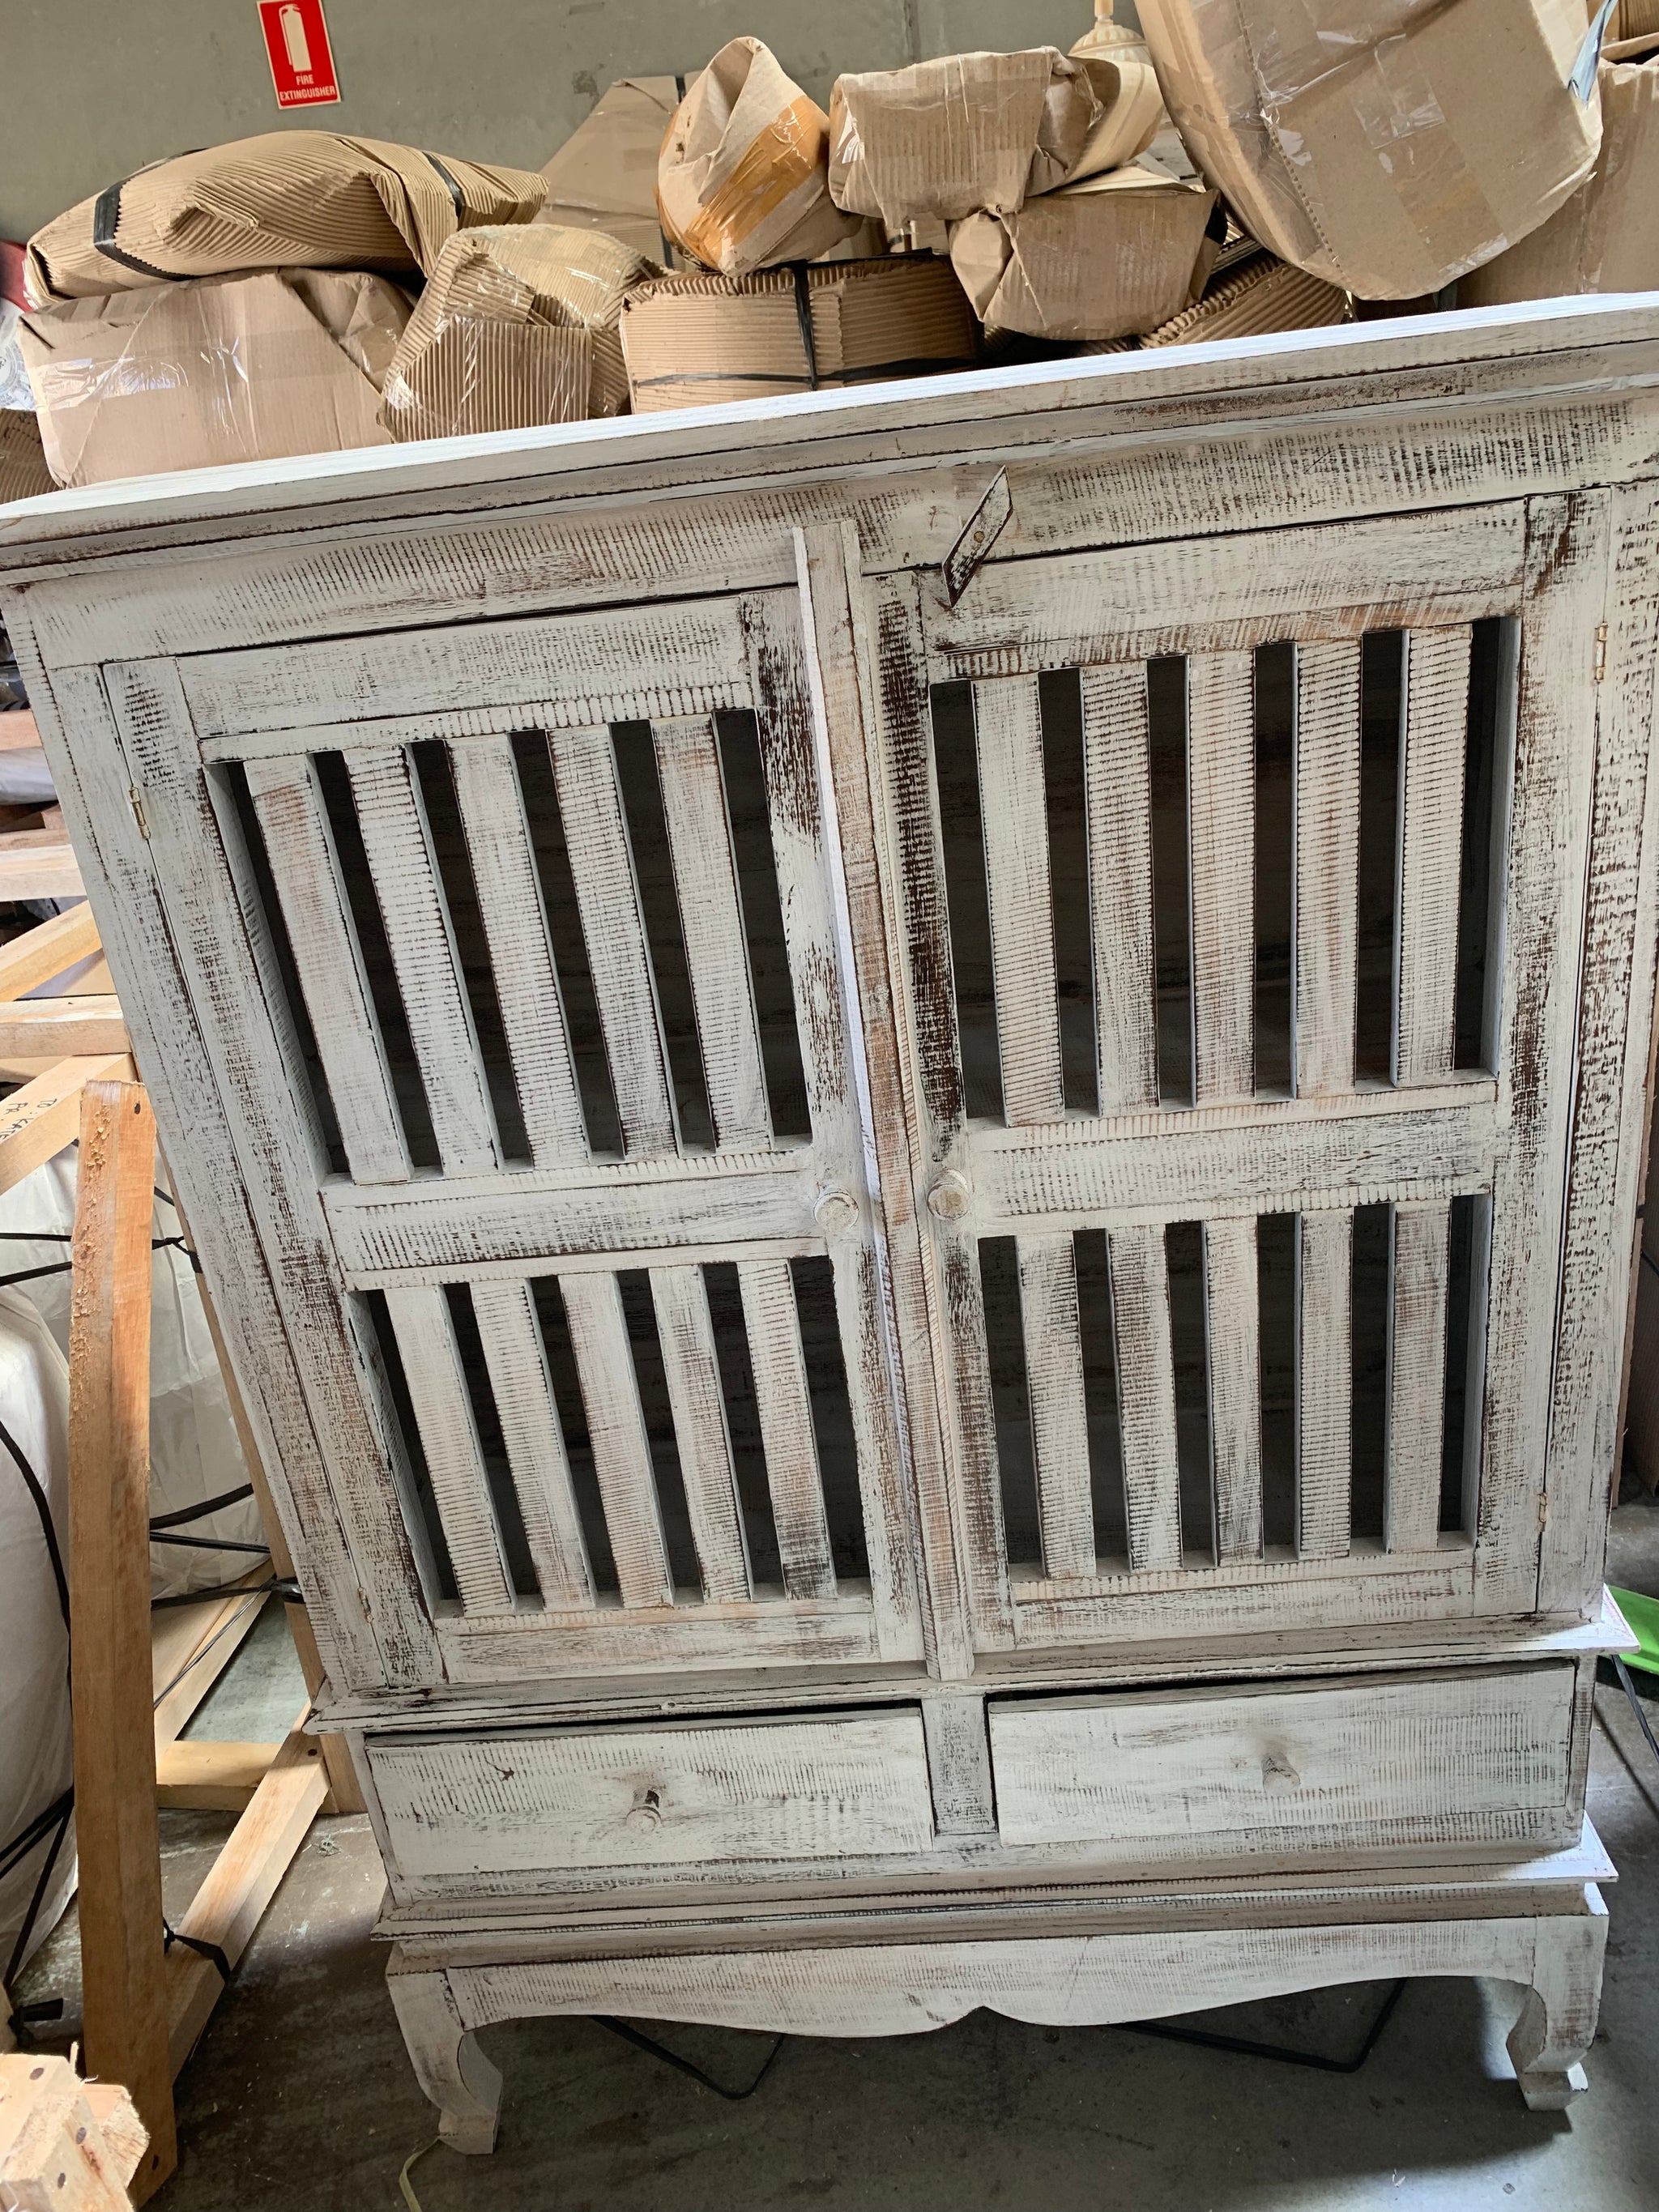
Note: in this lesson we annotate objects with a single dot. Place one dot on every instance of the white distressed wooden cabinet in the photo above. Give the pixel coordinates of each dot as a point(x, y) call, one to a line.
point(918, 1115)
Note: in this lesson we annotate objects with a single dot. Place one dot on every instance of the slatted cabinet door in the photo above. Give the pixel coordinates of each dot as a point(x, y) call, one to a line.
point(1242, 887)
point(518, 948)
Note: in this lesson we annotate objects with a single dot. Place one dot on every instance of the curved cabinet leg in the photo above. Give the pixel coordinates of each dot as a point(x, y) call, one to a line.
point(1557, 2026)
point(447, 2062)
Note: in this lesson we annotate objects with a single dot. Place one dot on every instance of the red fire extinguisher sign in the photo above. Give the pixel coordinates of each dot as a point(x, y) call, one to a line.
point(301, 64)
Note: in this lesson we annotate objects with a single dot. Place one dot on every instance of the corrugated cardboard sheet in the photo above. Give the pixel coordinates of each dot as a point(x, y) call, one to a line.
point(605, 175)
point(226, 368)
point(1260, 295)
point(690, 341)
point(302, 199)
point(516, 326)
point(1104, 258)
point(23, 471)
point(1606, 239)
point(1385, 145)
point(743, 182)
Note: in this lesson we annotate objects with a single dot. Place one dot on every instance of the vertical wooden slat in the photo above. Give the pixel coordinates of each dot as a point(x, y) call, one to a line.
point(1417, 1373)
point(1117, 773)
point(1324, 1384)
point(1431, 759)
point(123, 1972)
point(306, 869)
point(607, 899)
point(784, 1403)
point(1325, 865)
point(535, 1444)
point(515, 924)
point(392, 819)
point(443, 1413)
point(701, 1436)
point(711, 917)
point(1221, 843)
point(1060, 1412)
point(1140, 1270)
point(1013, 807)
point(615, 1432)
point(1233, 1345)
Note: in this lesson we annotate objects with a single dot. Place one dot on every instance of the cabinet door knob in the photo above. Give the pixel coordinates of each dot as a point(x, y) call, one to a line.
point(646, 1811)
point(950, 1198)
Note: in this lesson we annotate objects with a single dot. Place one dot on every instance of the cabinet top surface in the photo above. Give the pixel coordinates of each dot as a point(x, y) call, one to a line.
point(1573, 344)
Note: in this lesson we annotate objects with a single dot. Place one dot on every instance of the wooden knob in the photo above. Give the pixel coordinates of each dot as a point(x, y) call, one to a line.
point(646, 1812)
point(950, 1198)
point(835, 1211)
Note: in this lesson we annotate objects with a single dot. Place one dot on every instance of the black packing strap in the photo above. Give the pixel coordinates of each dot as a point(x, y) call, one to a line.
point(1642, 1721)
point(60, 1811)
point(106, 219)
point(804, 317)
point(42, 1506)
point(170, 1936)
point(282, 1586)
point(205, 1543)
point(200, 1512)
point(454, 189)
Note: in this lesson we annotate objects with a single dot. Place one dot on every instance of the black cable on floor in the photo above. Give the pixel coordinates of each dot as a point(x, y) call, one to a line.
point(1281, 2052)
point(656, 2050)
point(1642, 1721)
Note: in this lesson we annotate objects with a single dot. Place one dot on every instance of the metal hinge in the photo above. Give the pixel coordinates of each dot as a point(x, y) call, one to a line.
point(136, 797)
point(1600, 653)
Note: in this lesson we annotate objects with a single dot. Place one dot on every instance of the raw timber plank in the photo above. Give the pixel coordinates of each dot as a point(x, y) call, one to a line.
point(38, 1119)
point(46, 951)
point(59, 1028)
point(195, 1775)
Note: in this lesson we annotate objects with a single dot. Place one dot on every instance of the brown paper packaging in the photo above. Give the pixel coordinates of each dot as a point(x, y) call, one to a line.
point(292, 199)
point(1383, 145)
point(743, 181)
point(1252, 298)
point(691, 341)
point(228, 368)
point(605, 175)
point(23, 471)
point(516, 326)
point(1606, 239)
point(1105, 259)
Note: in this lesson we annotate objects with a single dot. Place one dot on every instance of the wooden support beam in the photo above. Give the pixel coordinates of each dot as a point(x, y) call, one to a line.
point(227, 1907)
point(200, 1776)
point(217, 1629)
point(52, 1029)
point(38, 864)
point(65, 2145)
point(38, 955)
point(40, 1120)
point(123, 1964)
point(18, 731)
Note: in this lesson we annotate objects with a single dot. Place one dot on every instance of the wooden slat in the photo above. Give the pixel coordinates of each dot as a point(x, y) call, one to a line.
point(38, 864)
point(1221, 844)
point(772, 1327)
point(1324, 1384)
point(124, 2008)
point(1434, 747)
point(1145, 1384)
point(47, 951)
point(392, 815)
point(1417, 1375)
point(197, 1776)
point(515, 924)
point(1008, 735)
point(1325, 865)
point(18, 731)
point(1232, 1315)
point(1060, 1412)
point(616, 1430)
point(216, 1629)
point(443, 1413)
point(701, 1436)
point(299, 847)
point(602, 870)
point(535, 1442)
point(38, 1120)
point(55, 1029)
point(1118, 778)
point(711, 917)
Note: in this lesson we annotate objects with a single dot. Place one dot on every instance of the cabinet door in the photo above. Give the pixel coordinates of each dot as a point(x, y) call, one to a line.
point(1243, 892)
point(516, 953)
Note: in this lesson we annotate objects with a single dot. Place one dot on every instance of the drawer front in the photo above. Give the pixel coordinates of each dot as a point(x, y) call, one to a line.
point(845, 1786)
point(1379, 1763)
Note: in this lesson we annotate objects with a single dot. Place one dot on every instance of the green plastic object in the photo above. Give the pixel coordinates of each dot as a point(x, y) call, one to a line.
point(1643, 1614)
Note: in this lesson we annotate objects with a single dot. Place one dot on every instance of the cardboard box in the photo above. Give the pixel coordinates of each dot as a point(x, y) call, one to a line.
point(515, 326)
point(969, 131)
point(1104, 258)
point(23, 471)
point(228, 368)
point(1255, 296)
point(1606, 239)
point(743, 181)
point(605, 175)
point(1383, 145)
point(691, 341)
point(291, 199)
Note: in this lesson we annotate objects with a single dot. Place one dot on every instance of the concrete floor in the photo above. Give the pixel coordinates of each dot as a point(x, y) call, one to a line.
point(300, 2097)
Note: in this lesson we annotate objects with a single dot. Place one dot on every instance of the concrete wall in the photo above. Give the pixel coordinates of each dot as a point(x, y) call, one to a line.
point(93, 89)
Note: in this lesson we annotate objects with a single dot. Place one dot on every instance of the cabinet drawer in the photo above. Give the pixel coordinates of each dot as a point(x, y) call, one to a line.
point(840, 1786)
point(1376, 1763)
